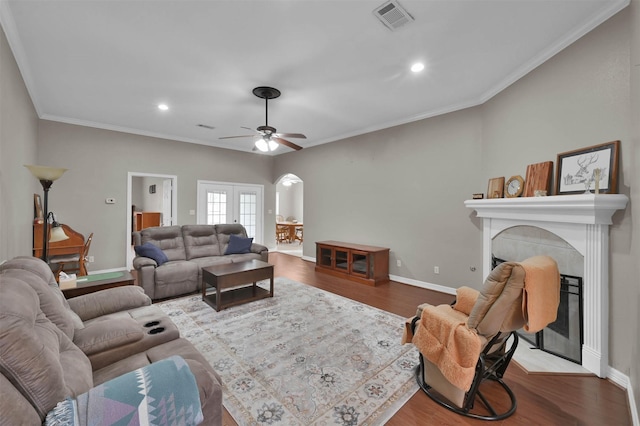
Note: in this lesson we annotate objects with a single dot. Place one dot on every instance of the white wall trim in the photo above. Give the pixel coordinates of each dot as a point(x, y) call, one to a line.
point(423, 284)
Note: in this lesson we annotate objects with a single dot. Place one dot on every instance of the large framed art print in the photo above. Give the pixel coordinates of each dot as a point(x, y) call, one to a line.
point(594, 168)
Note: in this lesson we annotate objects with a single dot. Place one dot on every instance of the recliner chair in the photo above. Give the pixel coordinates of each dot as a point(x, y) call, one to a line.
point(464, 347)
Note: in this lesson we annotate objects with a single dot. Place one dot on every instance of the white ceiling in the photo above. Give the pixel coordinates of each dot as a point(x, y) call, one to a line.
point(107, 64)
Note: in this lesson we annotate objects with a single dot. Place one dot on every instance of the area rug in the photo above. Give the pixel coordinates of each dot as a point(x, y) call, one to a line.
point(303, 357)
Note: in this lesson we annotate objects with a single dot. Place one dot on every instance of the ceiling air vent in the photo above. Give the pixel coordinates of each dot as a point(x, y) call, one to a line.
point(392, 15)
point(205, 126)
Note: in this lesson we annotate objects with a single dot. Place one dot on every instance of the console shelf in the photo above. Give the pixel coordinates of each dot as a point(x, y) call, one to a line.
point(356, 262)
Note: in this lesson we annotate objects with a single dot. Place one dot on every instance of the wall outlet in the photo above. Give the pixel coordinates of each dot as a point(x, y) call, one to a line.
point(399, 263)
point(436, 269)
point(90, 259)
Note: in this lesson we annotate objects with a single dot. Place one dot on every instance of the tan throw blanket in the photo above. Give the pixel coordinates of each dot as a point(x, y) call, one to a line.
point(541, 292)
point(443, 338)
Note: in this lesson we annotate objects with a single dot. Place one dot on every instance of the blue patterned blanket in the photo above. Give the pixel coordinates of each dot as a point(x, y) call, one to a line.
point(162, 393)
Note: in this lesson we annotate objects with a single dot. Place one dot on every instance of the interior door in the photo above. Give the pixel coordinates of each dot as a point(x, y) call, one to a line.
point(231, 203)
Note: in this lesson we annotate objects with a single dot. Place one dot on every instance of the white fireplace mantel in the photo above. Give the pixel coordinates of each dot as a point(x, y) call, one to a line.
point(581, 220)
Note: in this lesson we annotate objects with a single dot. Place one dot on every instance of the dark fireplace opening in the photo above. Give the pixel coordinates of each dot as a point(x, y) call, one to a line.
point(563, 337)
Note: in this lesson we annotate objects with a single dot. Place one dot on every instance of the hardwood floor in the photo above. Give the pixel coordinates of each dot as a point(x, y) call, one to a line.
point(542, 399)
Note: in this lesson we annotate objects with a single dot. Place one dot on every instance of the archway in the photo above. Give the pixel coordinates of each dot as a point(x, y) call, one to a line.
point(290, 215)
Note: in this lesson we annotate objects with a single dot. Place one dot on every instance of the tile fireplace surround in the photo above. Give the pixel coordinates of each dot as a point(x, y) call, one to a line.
point(582, 221)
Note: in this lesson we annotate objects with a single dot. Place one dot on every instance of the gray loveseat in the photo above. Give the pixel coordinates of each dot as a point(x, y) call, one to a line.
point(52, 348)
point(188, 248)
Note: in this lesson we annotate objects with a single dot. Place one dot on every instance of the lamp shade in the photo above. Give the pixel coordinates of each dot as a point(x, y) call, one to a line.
point(262, 145)
point(45, 172)
point(57, 233)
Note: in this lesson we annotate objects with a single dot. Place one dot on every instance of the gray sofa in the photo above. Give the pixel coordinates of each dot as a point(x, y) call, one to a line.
point(52, 348)
point(189, 248)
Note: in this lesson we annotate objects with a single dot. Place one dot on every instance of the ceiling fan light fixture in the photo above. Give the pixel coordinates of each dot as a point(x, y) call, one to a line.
point(273, 145)
point(262, 145)
point(417, 67)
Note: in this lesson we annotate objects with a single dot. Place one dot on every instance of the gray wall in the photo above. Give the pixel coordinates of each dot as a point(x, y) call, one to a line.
point(634, 290)
point(99, 161)
point(18, 143)
point(404, 187)
point(401, 187)
point(579, 98)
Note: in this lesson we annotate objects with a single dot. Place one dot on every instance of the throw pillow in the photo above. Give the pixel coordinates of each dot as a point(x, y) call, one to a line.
point(238, 245)
point(151, 251)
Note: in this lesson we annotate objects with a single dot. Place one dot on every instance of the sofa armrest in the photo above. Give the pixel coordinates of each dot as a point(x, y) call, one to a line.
point(263, 251)
point(166, 380)
point(258, 248)
point(109, 301)
point(140, 261)
point(104, 335)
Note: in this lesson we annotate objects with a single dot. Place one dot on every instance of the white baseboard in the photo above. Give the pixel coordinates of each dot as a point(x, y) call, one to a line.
point(635, 415)
point(105, 271)
point(423, 284)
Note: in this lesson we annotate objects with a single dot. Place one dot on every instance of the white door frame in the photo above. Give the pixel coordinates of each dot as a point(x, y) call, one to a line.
point(200, 207)
point(174, 207)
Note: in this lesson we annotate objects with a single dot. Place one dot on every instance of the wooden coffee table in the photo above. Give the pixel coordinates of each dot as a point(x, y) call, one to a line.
point(234, 278)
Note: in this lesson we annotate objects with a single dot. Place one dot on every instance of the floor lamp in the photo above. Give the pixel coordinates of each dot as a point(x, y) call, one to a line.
point(46, 176)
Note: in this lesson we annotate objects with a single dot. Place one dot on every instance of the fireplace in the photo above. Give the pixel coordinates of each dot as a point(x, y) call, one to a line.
point(583, 222)
point(563, 337)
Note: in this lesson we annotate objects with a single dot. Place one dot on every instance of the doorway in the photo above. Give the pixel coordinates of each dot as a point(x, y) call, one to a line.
point(289, 210)
point(226, 202)
point(153, 197)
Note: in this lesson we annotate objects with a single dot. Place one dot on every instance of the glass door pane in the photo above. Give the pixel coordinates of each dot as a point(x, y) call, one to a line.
point(324, 256)
point(217, 207)
point(359, 263)
point(342, 259)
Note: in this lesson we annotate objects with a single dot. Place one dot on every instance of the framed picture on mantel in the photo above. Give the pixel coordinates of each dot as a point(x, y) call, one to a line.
point(496, 187)
point(594, 168)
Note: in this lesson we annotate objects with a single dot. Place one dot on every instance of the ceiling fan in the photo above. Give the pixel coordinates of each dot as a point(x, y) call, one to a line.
point(269, 139)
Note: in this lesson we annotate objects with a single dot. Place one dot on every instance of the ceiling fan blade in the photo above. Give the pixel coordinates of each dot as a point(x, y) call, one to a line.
point(291, 135)
point(249, 128)
point(239, 136)
point(287, 143)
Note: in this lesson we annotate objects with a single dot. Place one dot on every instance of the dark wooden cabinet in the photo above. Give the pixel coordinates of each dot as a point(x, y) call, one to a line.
point(364, 264)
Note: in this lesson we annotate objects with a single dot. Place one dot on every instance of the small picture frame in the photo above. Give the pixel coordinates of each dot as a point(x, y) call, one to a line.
point(495, 188)
point(152, 189)
point(576, 171)
point(37, 209)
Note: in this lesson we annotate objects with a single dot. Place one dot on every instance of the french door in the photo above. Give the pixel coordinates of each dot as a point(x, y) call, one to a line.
point(221, 202)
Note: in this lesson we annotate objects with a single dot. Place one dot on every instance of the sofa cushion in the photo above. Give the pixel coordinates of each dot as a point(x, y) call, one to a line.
point(168, 238)
point(109, 301)
point(103, 335)
point(35, 356)
point(174, 278)
point(151, 251)
point(37, 274)
point(200, 241)
point(238, 245)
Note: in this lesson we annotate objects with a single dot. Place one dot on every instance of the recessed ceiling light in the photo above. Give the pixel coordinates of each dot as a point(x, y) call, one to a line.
point(163, 107)
point(417, 67)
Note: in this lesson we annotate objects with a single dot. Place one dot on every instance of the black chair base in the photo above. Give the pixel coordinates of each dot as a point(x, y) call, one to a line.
point(493, 372)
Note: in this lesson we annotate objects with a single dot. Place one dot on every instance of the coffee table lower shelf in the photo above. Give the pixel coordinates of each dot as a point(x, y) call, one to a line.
point(236, 296)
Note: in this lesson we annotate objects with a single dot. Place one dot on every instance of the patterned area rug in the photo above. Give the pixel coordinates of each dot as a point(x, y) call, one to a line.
point(303, 357)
